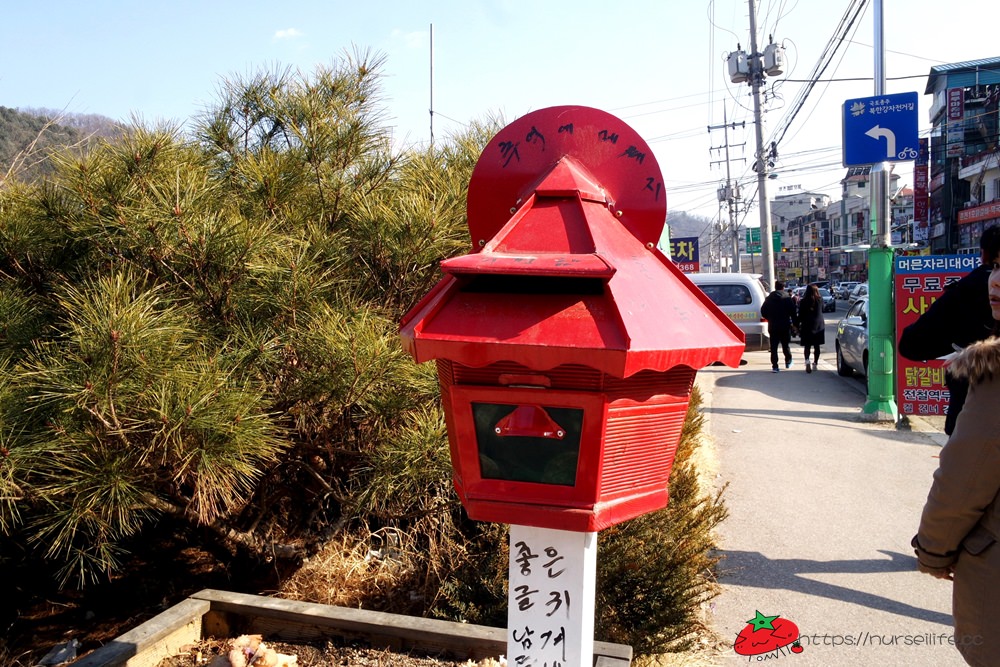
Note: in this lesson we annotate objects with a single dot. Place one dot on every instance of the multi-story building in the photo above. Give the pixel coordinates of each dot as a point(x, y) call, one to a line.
point(808, 247)
point(827, 240)
point(964, 179)
point(792, 203)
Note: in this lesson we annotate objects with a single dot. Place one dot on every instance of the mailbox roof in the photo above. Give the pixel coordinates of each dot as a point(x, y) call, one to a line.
point(565, 282)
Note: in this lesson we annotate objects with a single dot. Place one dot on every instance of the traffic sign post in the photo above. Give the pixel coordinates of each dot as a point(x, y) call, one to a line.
point(753, 240)
point(879, 130)
point(882, 128)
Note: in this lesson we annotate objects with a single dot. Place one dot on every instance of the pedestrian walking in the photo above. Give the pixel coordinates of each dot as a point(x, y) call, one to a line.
point(960, 523)
point(779, 311)
point(811, 325)
point(960, 316)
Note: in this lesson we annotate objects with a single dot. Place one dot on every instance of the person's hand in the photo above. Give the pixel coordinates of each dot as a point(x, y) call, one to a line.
point(947, 572)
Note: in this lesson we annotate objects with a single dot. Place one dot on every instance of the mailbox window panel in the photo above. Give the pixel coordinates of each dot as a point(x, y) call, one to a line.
point(546, 450)
point(528, 468)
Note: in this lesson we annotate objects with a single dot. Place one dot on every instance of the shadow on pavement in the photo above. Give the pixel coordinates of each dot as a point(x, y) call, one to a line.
point(790, 574)
point(795, 396)
point(794, 385)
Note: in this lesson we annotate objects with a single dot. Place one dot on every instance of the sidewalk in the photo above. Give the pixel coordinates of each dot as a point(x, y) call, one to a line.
point(822, 506)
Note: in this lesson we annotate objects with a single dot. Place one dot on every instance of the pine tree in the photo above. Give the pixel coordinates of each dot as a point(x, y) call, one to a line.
point(205, 327)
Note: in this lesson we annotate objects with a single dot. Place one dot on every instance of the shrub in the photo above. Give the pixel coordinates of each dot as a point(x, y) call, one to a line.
point(655, 572)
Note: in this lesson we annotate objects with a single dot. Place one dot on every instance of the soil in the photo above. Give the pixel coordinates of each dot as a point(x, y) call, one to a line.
point(316, 655)
point(157, 575)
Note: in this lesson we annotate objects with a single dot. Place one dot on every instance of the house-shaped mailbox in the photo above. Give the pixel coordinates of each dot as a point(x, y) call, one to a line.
point(566, 342)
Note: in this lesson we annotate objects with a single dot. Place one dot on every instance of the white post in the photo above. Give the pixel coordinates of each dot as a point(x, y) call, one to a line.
point(550, 599)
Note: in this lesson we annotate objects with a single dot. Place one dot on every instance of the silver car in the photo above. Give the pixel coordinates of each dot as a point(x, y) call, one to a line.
point(844, 289)
point(852, 340)
point(860, 290)
point(829, 301)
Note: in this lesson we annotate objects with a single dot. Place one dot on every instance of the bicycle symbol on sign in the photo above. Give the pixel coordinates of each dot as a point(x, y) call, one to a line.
point(908, 153)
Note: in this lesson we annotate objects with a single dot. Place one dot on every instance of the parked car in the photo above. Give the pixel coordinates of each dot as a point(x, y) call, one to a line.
point(860, 290)
point(738, 295)
point(829, 301)
point(843, 290)
point(852, 340)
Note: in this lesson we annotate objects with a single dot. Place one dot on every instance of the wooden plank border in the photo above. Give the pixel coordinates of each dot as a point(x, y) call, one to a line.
point(215, 613)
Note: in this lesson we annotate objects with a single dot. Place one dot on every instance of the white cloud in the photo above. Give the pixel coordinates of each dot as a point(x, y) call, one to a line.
point(410, 40)
point(287, 33)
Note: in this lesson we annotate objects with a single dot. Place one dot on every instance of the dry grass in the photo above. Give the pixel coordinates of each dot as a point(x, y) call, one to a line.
point(353, 569)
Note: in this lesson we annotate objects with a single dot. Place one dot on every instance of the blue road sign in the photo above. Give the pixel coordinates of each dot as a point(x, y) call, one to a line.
point(880, 129)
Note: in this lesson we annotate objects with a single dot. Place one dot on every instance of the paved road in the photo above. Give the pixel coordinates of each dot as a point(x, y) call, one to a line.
point(822, 508)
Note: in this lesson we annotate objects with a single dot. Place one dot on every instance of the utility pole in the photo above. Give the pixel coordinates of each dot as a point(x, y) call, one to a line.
point(729, 193)
point(881, 403)
point(752, 68)
point(761, 163)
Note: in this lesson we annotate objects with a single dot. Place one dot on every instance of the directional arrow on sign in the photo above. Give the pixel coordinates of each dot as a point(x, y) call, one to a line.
point(878, 132)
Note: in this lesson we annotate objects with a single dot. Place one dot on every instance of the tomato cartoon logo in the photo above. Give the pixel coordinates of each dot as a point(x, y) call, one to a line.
point(767, 634)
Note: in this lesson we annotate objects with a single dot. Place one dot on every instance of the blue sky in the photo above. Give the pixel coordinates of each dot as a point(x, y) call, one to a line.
point(656, 64)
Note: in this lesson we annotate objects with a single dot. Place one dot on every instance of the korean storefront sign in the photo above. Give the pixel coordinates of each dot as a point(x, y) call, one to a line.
point(684, 252)
point(919, 281)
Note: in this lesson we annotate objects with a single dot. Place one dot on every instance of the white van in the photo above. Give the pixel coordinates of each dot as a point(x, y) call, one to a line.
point(738, 295)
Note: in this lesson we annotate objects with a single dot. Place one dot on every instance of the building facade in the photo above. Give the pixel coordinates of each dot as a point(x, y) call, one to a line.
point(946, 209)
point(964, 179)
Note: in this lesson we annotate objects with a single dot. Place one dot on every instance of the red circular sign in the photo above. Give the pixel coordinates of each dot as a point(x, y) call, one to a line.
point(524, 151)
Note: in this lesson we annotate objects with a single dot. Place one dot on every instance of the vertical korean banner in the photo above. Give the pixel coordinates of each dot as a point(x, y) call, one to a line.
point(552, 582)
point(919, 281)
point(684, 253)
point(920, 191)
point(955, 125)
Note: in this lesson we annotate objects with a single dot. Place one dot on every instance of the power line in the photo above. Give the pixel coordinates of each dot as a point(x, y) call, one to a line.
point(840, 35)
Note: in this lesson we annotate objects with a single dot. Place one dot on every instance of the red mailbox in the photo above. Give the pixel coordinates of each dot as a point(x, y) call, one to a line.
point(566, 342)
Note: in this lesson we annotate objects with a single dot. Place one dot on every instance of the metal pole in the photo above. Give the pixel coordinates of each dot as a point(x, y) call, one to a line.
point(731, 192)
point(881, 403)
point(431, 108)
point(756, 75)
point(730, 195)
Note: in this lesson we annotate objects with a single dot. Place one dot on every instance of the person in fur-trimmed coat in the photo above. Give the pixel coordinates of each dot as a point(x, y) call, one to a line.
point(960, 524)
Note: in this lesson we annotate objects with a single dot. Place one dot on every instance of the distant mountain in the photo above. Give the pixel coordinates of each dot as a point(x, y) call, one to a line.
point(683, 225)
point(28, 136)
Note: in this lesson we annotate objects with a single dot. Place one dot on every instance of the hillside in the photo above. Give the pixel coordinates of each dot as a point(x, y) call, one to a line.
point(27, 136)
point(683, 224)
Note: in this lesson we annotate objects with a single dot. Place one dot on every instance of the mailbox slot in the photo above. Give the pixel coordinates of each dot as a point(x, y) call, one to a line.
point(545, 285)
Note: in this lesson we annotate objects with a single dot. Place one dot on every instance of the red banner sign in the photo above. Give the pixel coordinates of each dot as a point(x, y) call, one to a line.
point(977, 213)
point(919, 281)
point(920, 192)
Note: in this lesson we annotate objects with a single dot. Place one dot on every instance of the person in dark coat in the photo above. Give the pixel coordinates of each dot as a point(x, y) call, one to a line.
point(812, 326)
point(779, 311)
point(959, 317)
